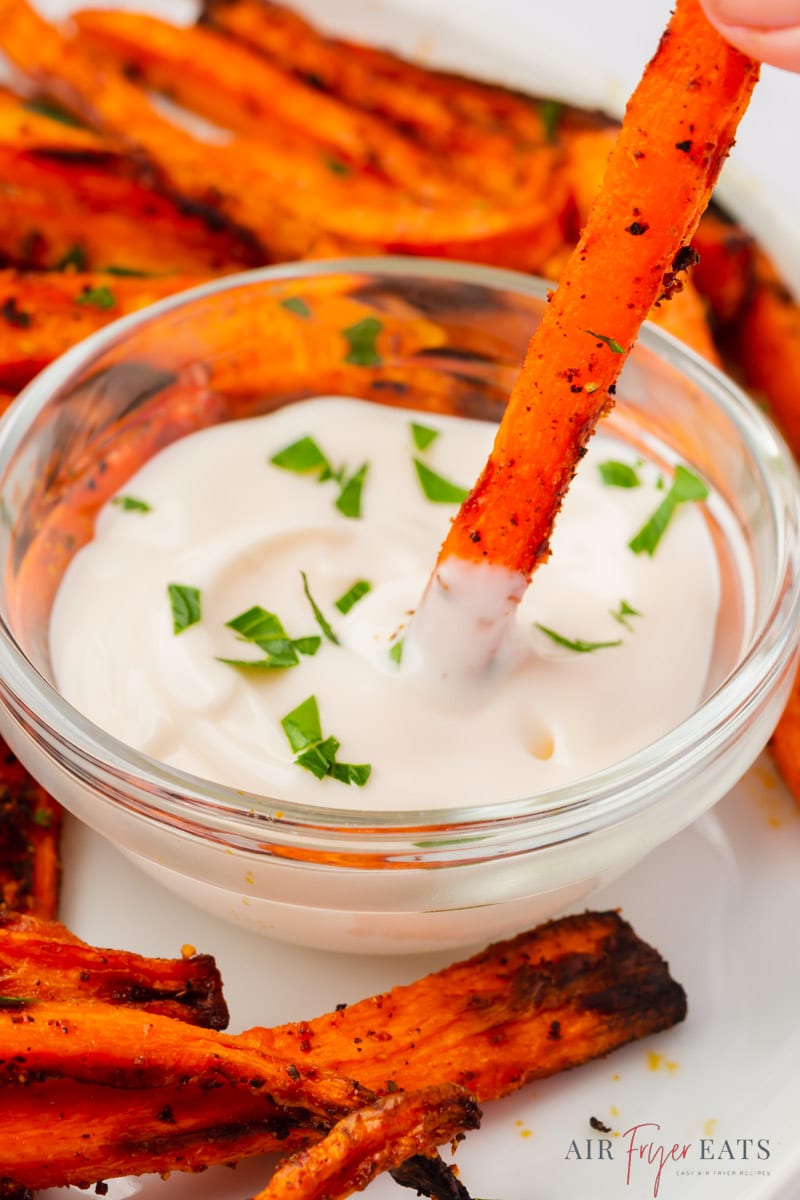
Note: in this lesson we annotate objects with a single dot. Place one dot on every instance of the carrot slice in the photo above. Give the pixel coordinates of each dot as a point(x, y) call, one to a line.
point(30, 834)
point(678, 129)
point(376, 1138)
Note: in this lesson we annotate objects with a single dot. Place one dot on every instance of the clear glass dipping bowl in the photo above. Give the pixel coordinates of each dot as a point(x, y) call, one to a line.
point(452, 340)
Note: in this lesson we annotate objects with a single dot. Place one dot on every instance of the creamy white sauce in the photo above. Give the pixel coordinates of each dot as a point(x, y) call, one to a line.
point(224, 520)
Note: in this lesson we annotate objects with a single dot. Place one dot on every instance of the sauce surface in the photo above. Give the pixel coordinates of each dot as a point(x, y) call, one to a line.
point(626, 657)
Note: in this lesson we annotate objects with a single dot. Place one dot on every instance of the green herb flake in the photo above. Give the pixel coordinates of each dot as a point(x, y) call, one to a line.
point(132, 504)
point(296, 305)
point(622, 614)
point(423, 435)
point(396, 651)
point(336, 166)
point(618, 474)
point(302, 725)
point(591, 388)
point(42, 817)
point(362, 339)
point(686, 488)
point(74, 259)
point(264, 629)
point(316, 754)
point(302, 457)
point(318, 614)
point(47, 108)
point(185, 602)
point(437, 489)
point(551, 111)
point(352, 596)
point(348, 501)
point(127, 272)
point(16, 1001)
point(613, 345)
point(577, 644)
point(96, 297)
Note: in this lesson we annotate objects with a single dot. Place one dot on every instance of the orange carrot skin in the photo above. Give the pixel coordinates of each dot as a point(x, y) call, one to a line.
point(656, 187)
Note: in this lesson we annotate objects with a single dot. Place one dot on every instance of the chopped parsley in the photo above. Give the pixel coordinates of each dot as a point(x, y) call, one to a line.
point(613, 345)
point(622, 614)
point(74, 259)
point(47, 108)
point(577, 644)
point(550, 111)
point(685, 488)
point(438, 489)
point(304, 457)
point(423, 435)
point(301, 457)
point(185, 602)
point(316, 754)
point(352, 596)
point(618, 474)
point(264, 629)
point(132, 504)
point(336, 166)
point(296, 305)
point(318, 614)
point(96, 297)
point(396, 651)
point(348, 501)
point(362, 339)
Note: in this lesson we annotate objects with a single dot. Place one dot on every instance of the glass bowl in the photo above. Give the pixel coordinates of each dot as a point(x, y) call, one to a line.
point(452, 339)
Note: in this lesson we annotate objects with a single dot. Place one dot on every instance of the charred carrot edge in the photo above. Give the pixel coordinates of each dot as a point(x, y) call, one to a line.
point(41, 960)
point(677, 131)
point(30, 834)
point(376, 1138)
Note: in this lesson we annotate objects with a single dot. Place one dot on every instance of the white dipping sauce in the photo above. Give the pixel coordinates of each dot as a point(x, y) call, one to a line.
point(226, 521)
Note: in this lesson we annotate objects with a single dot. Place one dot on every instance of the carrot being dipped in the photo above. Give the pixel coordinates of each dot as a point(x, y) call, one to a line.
point(677, 131)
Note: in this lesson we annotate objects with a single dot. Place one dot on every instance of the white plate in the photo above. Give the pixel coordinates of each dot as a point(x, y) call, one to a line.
point(720, 901)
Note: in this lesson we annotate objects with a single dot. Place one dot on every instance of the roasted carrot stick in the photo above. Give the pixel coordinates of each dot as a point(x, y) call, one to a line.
point(245, 179)
point(677, 131)
point(132, 1092)
point(724, 271)
point(154, 1094)
point(41, 960)
point(30, 834)
point(42, 314)
point(239, 89)
point(88, 208)
point(550, 999)
point(376, 1138)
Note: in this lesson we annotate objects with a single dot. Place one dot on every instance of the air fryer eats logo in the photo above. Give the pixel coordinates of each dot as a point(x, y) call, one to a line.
point(646, 1152)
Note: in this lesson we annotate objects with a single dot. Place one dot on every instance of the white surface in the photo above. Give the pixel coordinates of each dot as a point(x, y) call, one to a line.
point(720, 901)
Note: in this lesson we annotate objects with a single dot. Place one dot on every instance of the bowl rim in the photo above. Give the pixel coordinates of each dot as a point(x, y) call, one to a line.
point(164, 793)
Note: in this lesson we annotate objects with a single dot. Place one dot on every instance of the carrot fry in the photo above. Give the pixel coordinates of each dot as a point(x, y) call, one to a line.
point(30, 832)
point(43, 314)
point(41, 960)
point(154, 1094)
point(767, 340)
point(86, 208)
point(376, 1138)
point(238, 89)
point(677, 131)
point(246, 180)
point(724, 272)
point(553, 998)
point(785, 743)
